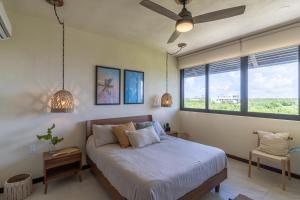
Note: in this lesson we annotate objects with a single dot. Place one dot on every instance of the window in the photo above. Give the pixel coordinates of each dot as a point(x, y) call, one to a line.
point(224, 85)
point(273, 82)
point(194, 87)
point(264, 84)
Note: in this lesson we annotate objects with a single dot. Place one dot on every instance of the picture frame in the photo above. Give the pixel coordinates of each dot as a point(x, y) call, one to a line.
point(133, 87)
point(108, 86)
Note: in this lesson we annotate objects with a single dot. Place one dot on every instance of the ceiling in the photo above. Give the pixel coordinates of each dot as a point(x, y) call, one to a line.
point(126, 19)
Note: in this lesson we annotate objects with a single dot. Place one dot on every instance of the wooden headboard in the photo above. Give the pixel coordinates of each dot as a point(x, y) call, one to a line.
point(122, 120)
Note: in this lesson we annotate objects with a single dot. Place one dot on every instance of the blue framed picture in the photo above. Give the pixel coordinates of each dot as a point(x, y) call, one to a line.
point(133, 87)
point(108, 84)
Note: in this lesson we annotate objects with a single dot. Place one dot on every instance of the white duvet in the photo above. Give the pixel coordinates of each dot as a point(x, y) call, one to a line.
point(162, 171)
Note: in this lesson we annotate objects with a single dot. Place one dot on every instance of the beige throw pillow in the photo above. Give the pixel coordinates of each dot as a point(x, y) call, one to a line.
point(103, 135)
point(274, 143)
point(143, 137)
point(121, 135)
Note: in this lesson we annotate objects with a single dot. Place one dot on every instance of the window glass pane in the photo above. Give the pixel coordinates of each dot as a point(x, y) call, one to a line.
point(273, 82)
point(224, 85)
point(194, 87)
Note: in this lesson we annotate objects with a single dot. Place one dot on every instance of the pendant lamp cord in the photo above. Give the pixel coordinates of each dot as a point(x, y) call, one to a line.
point(63, 45)
point(167, 73)
point(167, 67)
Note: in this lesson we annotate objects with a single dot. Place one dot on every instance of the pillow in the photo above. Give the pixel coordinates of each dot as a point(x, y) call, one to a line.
point(103, 135)
point(142, 125)
point(120, 133)
point(274, 143)
point(159, 130)
point(143, 137)
point(156, 125)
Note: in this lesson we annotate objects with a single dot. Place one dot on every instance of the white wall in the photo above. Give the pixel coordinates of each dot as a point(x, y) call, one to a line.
point(30, 72)
point(234, 133)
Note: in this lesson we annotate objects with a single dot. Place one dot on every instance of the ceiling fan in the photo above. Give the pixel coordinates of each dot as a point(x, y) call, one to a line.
point(184, 20)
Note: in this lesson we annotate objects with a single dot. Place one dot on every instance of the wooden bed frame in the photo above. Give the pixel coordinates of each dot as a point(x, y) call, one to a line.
point(204, 188)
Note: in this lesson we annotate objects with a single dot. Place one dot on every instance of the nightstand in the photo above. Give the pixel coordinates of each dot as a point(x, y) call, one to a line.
point(59, 164)
point(172, 133)
point(178, 134)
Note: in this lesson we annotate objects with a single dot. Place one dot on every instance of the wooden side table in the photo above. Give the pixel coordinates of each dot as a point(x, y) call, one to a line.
point(178, 134)
point(59, 165)
point(172, 133)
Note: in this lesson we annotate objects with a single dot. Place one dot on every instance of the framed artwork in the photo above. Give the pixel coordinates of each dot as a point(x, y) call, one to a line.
point(133, 87)
point(108, 85)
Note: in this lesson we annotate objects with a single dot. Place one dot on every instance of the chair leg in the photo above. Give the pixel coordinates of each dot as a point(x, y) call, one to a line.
point(250, 164)
point(258, 163)
point(283, 173)
point(289, 168)
point(217, 188)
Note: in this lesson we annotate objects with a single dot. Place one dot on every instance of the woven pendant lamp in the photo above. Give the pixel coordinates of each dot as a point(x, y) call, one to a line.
point(62, 101)
point(166, 99)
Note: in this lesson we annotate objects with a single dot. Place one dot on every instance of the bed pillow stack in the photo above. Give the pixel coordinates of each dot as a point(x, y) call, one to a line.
point(129, 134)
point(120, 132)
point(274, 143)
point(143, 137)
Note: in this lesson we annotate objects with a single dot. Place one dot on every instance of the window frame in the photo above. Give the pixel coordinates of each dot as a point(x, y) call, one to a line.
point(243, 95)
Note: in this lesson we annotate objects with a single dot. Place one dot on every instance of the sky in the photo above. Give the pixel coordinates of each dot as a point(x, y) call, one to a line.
point(278, 81)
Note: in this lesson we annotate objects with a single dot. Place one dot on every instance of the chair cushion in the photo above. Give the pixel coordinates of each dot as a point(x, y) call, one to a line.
point(258, 153)
point(273, 143)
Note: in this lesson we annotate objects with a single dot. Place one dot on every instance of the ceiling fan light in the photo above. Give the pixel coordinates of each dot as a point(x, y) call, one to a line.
point(184, 25)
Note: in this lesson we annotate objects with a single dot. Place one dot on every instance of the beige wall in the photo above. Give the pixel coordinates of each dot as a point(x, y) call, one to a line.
point(234, 133)
point(30, 72)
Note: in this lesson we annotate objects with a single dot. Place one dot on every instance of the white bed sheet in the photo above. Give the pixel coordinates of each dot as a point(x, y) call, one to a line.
point(163, 171)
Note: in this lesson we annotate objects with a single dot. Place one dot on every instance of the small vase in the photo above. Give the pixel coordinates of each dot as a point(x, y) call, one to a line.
point(51, 148)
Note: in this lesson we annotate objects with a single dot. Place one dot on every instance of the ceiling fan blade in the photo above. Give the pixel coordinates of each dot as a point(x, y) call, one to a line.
point(159, 9)
point(173, 37)
point(220, 14)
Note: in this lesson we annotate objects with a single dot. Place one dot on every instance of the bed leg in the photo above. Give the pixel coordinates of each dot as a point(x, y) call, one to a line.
point(217, 188)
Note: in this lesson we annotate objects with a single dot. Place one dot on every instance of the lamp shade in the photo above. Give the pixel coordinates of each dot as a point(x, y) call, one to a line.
point(166, 100)
point(184, 25)
point(62, 102)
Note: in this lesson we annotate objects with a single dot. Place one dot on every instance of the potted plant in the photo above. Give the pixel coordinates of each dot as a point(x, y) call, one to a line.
point(53, 140)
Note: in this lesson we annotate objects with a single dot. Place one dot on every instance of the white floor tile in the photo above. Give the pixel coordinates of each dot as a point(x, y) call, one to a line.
point(264, 185)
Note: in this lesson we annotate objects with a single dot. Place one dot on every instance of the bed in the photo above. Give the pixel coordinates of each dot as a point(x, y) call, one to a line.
point(172, 169)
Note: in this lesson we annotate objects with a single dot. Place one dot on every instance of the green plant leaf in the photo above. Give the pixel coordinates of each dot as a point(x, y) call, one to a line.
point(55, 140)
point(45, 137)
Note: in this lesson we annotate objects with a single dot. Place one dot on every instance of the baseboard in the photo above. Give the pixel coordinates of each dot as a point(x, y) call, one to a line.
point(41, 179)
point(273, 169)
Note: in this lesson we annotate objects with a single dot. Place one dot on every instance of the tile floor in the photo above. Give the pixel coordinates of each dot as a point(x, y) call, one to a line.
point(264, 185)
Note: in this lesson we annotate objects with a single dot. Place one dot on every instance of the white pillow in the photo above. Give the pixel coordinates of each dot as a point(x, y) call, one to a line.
point(103, 135)
point(274, 143)
point(143, 137)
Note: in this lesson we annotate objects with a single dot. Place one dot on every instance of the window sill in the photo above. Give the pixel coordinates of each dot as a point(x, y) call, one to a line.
point(248, 114)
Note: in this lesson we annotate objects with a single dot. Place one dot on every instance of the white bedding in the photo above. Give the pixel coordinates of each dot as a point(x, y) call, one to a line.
point(162, 171)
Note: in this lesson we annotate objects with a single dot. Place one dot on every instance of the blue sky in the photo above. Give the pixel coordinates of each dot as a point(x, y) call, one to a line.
point(280, 81)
